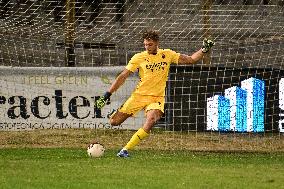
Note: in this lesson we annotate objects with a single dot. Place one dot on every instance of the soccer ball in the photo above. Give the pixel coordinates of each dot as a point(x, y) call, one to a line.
point(95, 150)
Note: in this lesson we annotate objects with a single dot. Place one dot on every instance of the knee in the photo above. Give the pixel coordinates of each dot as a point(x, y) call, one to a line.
point(114, 122)
point(152, 120)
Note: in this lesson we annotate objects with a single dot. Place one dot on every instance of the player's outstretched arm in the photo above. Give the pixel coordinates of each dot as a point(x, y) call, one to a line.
point(195, 57)
point(100, 103)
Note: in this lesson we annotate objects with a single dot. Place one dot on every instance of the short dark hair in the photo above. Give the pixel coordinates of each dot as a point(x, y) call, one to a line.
point(151, 34)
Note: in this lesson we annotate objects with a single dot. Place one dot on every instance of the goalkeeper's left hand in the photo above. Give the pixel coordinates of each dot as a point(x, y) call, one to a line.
point(207, 45)
point(100, 103)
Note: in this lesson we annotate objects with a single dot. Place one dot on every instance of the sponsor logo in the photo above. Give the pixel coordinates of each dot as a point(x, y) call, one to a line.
point(156, 66)
point(41, 106)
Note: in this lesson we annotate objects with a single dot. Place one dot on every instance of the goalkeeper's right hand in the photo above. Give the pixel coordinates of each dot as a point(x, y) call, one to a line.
point(101, 102)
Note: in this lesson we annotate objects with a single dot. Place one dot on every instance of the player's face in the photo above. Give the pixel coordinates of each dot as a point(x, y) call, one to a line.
point(151, 46)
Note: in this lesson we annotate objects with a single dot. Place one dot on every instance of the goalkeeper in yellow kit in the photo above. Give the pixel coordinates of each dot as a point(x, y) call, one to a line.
point(153, 66)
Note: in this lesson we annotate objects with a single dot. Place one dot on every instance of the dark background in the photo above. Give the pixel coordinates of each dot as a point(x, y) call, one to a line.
point(189, 87)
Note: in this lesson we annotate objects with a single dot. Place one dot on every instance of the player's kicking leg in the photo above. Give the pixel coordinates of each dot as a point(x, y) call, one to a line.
point(116, 119)
point(152, 116)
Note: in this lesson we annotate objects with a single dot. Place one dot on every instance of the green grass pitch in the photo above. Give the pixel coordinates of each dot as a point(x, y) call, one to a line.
point(54, 168)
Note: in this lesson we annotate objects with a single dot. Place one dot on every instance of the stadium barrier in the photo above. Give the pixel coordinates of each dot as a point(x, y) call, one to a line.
point(46, 98)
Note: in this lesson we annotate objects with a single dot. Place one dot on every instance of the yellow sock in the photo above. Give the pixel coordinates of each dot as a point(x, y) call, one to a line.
point(136, 138)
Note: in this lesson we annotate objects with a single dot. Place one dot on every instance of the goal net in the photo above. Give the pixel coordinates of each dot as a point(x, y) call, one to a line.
point(57, 57)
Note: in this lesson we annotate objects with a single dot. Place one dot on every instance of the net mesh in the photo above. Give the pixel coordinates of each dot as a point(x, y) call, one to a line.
point(49, 33)
point(108, 32)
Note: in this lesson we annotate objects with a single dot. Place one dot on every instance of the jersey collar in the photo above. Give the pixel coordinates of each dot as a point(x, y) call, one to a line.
point(158, 52)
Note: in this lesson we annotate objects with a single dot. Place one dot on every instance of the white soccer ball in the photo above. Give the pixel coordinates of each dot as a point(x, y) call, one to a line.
point(96, 150)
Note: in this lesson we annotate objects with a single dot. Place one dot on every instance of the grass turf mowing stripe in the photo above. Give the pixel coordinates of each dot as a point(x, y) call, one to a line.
point(72, 168)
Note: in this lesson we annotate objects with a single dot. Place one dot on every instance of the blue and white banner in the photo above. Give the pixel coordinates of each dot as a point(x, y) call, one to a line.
point(219, 107)
point(238, 105)
point(255, 104)
point(246, 108)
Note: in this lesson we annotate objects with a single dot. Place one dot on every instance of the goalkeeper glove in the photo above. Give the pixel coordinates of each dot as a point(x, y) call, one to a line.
point(102, 100)
point(207, 44)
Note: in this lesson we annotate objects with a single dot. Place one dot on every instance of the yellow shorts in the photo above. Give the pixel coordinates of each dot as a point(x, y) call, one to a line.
point(138, 102)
